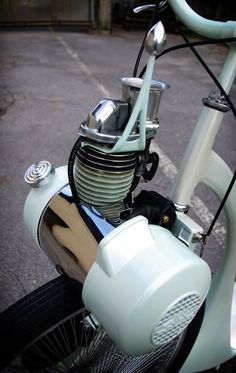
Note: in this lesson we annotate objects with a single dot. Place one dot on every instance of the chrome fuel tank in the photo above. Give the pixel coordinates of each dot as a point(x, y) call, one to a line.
point(67, 233)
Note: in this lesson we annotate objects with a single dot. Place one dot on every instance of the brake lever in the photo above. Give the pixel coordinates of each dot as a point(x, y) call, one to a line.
point(144, 7)
point(160, 6)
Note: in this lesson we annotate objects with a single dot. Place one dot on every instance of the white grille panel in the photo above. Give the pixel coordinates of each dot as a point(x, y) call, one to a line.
point(176, 319)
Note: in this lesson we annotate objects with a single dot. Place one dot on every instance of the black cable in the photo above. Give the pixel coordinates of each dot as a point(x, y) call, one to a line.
point(70, 169)
point(227, 98)
point(151, 23)
point(88, 221)
point(205, 236)
point(194, 44)
point(212, 75)
point(160, 7)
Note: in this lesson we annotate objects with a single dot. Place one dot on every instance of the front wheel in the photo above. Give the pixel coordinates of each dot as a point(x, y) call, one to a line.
point(43, 328)
point(49, 330)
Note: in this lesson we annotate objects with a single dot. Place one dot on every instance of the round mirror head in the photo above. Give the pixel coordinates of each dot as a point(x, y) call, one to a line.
point(156, 39)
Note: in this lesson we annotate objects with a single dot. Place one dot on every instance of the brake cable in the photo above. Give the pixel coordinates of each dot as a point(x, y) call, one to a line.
point(194, 44)
point(209, 71)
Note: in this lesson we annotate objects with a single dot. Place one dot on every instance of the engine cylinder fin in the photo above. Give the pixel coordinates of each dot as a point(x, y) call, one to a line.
point(103, 175)
point(97, 164)
point(106, 162)
point(83, 182)
point(108, 189)
point(102, 199)
point(112, 211)
point(103, 180)
point(107, 157)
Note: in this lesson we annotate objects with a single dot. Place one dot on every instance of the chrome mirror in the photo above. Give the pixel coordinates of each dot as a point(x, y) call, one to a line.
point(156, 39)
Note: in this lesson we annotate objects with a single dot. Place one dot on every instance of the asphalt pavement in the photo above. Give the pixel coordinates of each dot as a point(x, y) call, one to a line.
point(49, 83)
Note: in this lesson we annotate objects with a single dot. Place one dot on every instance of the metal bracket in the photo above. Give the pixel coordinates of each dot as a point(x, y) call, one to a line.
point(216, 101)
point(187, 230)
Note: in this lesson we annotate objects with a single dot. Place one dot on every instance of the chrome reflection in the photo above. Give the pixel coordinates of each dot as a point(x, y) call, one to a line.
point(69, 234)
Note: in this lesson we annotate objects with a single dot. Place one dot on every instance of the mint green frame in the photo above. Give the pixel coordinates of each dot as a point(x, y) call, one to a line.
point(201, 164)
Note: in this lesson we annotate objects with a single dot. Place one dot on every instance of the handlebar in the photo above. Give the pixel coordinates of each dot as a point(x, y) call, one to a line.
point(201, 25)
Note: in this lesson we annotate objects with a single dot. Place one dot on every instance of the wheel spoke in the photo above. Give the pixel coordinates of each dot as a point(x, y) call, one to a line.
point(39, 353)
point(76, 344)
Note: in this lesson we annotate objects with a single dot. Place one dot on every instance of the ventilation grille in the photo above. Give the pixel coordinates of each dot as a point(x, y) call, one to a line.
point(176, 319)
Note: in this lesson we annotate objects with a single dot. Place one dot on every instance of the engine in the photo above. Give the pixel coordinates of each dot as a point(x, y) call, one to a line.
point(103, 179)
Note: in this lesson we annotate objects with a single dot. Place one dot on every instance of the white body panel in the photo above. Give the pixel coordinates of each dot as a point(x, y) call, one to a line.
point(145, 286)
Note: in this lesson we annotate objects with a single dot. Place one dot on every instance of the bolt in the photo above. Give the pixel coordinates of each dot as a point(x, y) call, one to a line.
point(165, 219)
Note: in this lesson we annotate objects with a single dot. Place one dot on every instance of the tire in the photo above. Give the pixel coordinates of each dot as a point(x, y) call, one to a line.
point(49, 330)
point(23, 322)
